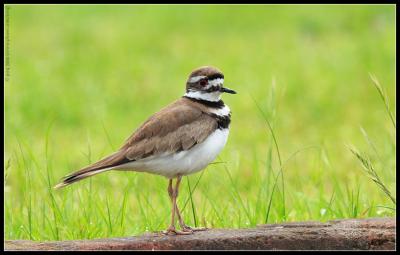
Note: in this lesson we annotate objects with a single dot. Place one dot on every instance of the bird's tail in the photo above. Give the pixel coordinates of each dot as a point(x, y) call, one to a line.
point(103, 165)
point(77, 176)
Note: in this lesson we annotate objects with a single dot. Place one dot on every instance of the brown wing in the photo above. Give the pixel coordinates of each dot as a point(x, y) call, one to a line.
point(175, 128)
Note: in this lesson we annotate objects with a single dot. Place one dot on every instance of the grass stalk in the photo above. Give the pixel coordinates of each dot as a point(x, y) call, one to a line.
point(192, 204)
point(384, 97)
point(370, 170)
point(29, 191)
point(278, 153)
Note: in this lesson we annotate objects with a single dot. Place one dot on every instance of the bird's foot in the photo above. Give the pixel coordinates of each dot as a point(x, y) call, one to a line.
point(188, 228)
point(173, 231)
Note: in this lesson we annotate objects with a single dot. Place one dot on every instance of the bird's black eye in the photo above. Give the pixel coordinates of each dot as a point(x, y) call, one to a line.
point(203, 82)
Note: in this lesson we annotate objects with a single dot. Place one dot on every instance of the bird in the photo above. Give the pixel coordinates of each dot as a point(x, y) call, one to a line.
point(180, 139)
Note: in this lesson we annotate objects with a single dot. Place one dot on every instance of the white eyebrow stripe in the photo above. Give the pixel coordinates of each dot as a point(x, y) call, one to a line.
point(196, 78)
point(216, 82)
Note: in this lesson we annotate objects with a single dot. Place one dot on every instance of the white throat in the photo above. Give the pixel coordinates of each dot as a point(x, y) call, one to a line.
point(212, 96)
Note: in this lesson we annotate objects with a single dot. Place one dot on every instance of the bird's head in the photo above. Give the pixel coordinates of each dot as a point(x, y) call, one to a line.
point(206, 83)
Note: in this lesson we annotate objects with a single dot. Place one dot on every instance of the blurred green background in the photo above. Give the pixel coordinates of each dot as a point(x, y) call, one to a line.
point(82, 78)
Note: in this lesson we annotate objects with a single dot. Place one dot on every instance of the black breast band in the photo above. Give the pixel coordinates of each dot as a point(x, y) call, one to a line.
point(216, 105)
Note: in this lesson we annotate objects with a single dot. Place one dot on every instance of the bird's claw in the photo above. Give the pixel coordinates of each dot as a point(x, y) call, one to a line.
point(174, 231)
point(188, 228)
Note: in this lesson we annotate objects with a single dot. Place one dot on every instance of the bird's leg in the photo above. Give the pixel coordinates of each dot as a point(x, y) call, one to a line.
point(171, 229)
point(184, 227)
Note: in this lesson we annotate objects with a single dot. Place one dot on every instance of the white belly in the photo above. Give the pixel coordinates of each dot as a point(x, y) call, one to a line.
point(184, 162)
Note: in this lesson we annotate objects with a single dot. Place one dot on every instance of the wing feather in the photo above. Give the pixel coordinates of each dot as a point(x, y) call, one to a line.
point(183, 136)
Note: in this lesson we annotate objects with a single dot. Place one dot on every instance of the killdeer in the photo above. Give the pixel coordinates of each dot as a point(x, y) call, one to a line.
point(180, 139)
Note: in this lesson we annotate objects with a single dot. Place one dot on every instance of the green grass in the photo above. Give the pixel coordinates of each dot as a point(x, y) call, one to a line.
point(84, 77)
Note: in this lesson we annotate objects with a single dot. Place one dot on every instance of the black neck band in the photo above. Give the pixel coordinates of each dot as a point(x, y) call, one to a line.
point(217, 104)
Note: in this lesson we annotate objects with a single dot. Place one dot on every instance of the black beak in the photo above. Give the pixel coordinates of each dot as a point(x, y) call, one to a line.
point(226, 90)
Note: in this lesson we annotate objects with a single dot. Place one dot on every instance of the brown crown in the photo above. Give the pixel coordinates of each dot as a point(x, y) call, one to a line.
point(209, 71)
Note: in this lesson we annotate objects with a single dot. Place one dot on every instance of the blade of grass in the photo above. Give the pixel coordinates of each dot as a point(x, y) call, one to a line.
point(370, 143)
point(278, 153)
point(6, 171)
point(194, 188)
point(123, 208)
point(270, 199)
point(54, 206)
point(329, 207)
point(246, 210)
point(280, 172)
point(29, 191)
point(108, 136)
point(386, 207)
point(191, 202)
point(372, 174)
point(109, 217)
point(383, 97)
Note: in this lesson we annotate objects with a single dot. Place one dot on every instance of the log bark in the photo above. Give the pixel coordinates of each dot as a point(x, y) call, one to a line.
point(349, 234)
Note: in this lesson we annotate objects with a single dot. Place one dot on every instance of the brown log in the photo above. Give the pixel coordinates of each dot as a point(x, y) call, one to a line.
point(349, 234)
